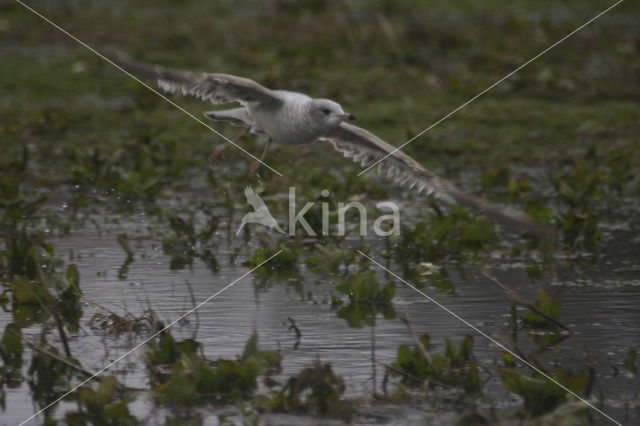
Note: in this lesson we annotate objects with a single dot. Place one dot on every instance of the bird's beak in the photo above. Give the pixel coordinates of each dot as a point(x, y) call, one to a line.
point(348, 117)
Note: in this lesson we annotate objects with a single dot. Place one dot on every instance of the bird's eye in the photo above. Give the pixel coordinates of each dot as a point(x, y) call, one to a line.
point(326, 111)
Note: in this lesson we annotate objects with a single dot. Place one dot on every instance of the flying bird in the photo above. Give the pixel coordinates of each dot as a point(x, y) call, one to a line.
point(293, 118)
point(261, 213)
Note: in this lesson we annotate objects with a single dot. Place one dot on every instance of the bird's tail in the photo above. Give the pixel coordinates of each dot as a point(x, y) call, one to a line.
point(235, 116)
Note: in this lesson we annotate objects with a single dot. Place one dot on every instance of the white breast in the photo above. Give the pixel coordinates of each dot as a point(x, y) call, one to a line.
point(289, 123)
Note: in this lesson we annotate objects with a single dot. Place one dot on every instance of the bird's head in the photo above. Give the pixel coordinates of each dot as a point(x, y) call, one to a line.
point(329, 112)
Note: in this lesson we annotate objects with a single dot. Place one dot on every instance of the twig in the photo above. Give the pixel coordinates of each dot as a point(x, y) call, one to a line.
point(4, 355)
point(194, 303)
point(54, 356)
point(515, 297)
point(405, 319)
point(373, 357)
point(295, 328)
point(69, 364)
point(96, 304)
point(54, 312)
point(384, 383)
point(407, 375)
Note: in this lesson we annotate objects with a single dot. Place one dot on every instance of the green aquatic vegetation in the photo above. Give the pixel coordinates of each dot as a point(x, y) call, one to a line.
point(549, 306)
point(498, 177)
point(284, 264)
point(50, 294)
point(518, 188)
point(165, 350)
point(578, 186)
point(194, 379)
point(123, 240)
point(367, 298)
point(620, 172)
point(316, 389)
point(187, 242)
point(267, 362)
point(69, 307)
point(25, 290)
point(573, 412)
point(53, 301)
point(12, 348)
point(332, 260)
point(541, 322)
point(12, 177)
point(39, 293)
point(441, 281)
point(443, 236)
point(456, 367)
point(282, 268)
point(101, 406)
point(630, 361)
point(137, 170)
point(539, 393)
point(19, 199)
point(362, 287)
point(109, 173)
point(49, 378)
point(24, 250)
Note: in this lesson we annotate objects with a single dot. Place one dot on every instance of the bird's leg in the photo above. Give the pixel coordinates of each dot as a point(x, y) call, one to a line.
point(253, 168)
point(218, 152)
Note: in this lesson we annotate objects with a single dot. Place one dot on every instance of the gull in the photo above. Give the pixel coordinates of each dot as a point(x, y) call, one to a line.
point(293, 118)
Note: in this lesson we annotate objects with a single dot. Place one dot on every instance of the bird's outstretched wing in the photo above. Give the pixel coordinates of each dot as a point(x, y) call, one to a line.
point(217, 88)
point(366, 148)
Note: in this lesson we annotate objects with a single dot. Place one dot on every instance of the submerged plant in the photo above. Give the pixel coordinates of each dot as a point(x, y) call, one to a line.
point(282, 265)
point(630, 361)
point(443, 236)
point(540, 394)
point(193, 379)
point(578, 187)
point(317, 389)
point(101, 406)
point(187, 242)
point(456, 367)
point(366, 299)
point(551, 308)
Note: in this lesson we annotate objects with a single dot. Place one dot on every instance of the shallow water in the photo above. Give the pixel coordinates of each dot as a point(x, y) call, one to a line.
point(601, 304)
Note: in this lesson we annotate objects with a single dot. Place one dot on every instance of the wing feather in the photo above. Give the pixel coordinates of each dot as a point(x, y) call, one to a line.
point(366, 148)
point(216, 88)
